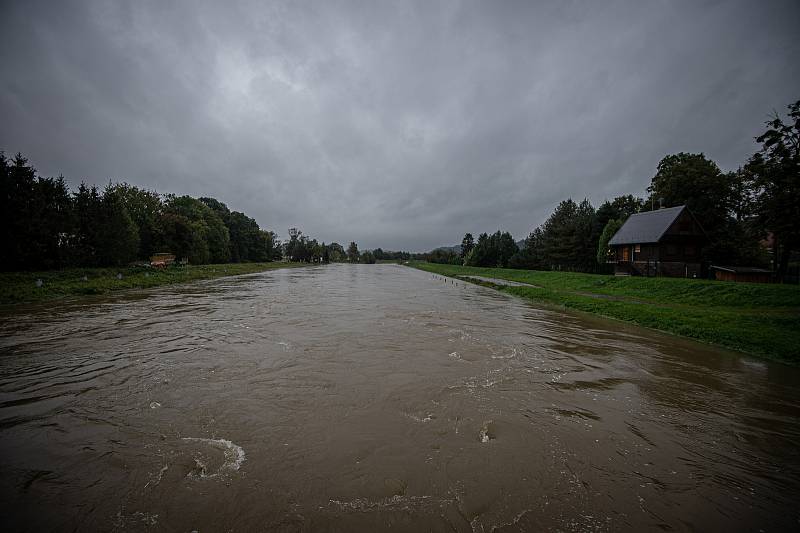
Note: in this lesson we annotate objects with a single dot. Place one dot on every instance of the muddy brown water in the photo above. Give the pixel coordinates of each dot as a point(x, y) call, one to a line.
point(378, 397)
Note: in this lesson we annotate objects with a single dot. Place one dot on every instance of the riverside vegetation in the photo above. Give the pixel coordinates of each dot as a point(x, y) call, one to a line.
point(758, 319)
point(749, 215)
point(58, 242)
point(16, 287)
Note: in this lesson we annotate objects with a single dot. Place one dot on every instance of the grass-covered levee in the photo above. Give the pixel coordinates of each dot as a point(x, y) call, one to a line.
point(758, 319)
point(18, 287)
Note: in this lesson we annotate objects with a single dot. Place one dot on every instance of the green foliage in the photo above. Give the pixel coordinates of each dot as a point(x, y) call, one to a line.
point(773, 176)
point(117, 237)
point(390, 256)
point(736, 210)
point(246, 242)
point(368, 258)
point(16, 287)
point(336, 253)
point(145, 209)
point(352, 253)
point(568, 239)
point(531, 255)
point(268, 247)
point(444, 256)
point(46, 226)
point(694, 181)
point(603, 251)
point(492, 250)
point(467, 244)
point(301, 248)
point(620, 208)
point(36, 216)
point(180, 236)
point(217, 206)
point(715, 198)
point(210, 240)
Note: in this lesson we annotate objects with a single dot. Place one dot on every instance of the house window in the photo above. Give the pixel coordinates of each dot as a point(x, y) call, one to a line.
point(638, 248)
point(625, 253)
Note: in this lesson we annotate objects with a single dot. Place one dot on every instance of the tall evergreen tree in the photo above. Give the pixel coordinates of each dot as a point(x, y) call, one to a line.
point(117, 238)
point(467, 244)
point(352, 253)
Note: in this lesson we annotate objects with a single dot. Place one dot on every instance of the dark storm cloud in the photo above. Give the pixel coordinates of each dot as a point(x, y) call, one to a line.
point(395, 124)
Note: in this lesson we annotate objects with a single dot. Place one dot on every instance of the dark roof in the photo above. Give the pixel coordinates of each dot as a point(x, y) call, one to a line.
point(650, 226)
point(741, 270)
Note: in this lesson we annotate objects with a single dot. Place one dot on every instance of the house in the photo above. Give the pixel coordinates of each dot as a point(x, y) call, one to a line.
point(665, 242)
point(736, 273)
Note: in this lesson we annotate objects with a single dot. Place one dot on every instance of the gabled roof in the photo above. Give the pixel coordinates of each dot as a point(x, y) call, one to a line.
point(647, 227)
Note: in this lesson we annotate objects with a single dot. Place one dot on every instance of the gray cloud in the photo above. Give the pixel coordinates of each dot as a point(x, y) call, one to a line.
point(401, 124)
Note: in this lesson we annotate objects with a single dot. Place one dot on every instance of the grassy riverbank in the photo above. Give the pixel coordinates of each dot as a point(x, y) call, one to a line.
point(762, 320)
point(17, 287)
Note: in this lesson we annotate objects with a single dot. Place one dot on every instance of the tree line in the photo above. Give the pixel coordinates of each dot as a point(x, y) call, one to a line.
point(47, 226)
point(737, 209)
point(301, 248)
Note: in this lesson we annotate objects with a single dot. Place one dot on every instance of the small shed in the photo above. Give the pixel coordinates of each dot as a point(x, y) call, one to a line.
point(162, 260)
point(745, 274)
point(665, 242)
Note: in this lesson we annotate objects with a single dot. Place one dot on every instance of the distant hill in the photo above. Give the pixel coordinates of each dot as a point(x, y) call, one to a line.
point(456, 248)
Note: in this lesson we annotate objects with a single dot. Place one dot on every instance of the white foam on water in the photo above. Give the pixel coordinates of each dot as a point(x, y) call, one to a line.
point(502, 355)
point(148, 519)
point(234, 455)
point(456, 356)
point(394, 503)
point(157, 477)
point(485, 435)
point(513, 522)
point(416, 418)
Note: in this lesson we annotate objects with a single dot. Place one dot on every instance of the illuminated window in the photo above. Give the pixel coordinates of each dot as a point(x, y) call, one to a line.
point(638, 248)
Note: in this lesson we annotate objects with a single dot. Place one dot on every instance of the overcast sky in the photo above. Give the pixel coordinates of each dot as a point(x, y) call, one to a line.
point(394, 124)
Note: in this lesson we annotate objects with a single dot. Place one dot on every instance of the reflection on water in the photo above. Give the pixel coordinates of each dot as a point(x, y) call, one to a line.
point(374, 397)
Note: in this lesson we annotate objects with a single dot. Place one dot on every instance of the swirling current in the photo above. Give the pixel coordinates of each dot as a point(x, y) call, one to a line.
point(379, 397)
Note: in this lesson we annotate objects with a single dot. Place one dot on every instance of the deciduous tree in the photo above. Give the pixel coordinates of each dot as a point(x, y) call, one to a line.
point(773, 174)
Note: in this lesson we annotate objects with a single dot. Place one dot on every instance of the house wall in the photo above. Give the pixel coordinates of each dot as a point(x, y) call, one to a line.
point(681, 249)
point(679, 258)
point(646, 252)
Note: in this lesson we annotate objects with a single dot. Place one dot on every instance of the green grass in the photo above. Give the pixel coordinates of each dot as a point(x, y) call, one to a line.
point(758, 319)
point(18, 287)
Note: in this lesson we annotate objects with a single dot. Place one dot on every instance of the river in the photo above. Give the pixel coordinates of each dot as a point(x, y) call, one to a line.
point(379, 397)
